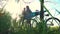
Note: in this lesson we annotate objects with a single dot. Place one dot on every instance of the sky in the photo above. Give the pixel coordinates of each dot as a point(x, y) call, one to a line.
point(16, 6)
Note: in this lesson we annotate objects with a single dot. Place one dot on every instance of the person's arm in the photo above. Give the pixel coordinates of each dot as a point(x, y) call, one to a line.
point(23, 12)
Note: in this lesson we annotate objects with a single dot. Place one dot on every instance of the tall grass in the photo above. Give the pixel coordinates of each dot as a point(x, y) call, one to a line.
point(41, 28)
point(5, 21)
point(5, 24)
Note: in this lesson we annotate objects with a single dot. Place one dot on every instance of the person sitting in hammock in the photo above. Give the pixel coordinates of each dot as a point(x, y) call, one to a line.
point(26, 12)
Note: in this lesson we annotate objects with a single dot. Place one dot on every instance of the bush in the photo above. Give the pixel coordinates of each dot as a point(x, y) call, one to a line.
point(5, 21)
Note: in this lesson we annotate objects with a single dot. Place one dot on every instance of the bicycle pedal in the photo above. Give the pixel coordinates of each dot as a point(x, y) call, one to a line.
point(47, 15)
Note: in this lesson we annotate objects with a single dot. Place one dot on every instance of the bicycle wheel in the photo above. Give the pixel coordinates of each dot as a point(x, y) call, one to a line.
point(22, 23)
point(34, 23)
point(52, 22)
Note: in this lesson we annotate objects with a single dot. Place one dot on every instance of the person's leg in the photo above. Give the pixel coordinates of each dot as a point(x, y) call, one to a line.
point(22, 20)
point(29, 21)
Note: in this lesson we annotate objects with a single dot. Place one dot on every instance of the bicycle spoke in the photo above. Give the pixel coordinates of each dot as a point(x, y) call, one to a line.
point(49, 21)
point(52, 22)
point(56, 22)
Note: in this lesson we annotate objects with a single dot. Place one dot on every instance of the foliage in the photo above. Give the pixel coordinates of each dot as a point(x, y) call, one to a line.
point(41, 28)
point(5, 21)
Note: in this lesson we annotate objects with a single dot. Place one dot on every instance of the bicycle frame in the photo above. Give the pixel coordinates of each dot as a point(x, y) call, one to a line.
point(31, 15)
point(57, 11)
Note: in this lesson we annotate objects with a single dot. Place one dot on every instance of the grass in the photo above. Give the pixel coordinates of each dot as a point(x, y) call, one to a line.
point(15, 29)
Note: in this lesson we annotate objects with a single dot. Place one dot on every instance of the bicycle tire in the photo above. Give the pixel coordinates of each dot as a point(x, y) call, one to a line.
point(53, 19)
point(24, 22)
point(34, 23)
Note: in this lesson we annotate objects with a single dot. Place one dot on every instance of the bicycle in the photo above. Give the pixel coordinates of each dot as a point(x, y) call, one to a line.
point(38, 13)
point(49, 21)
